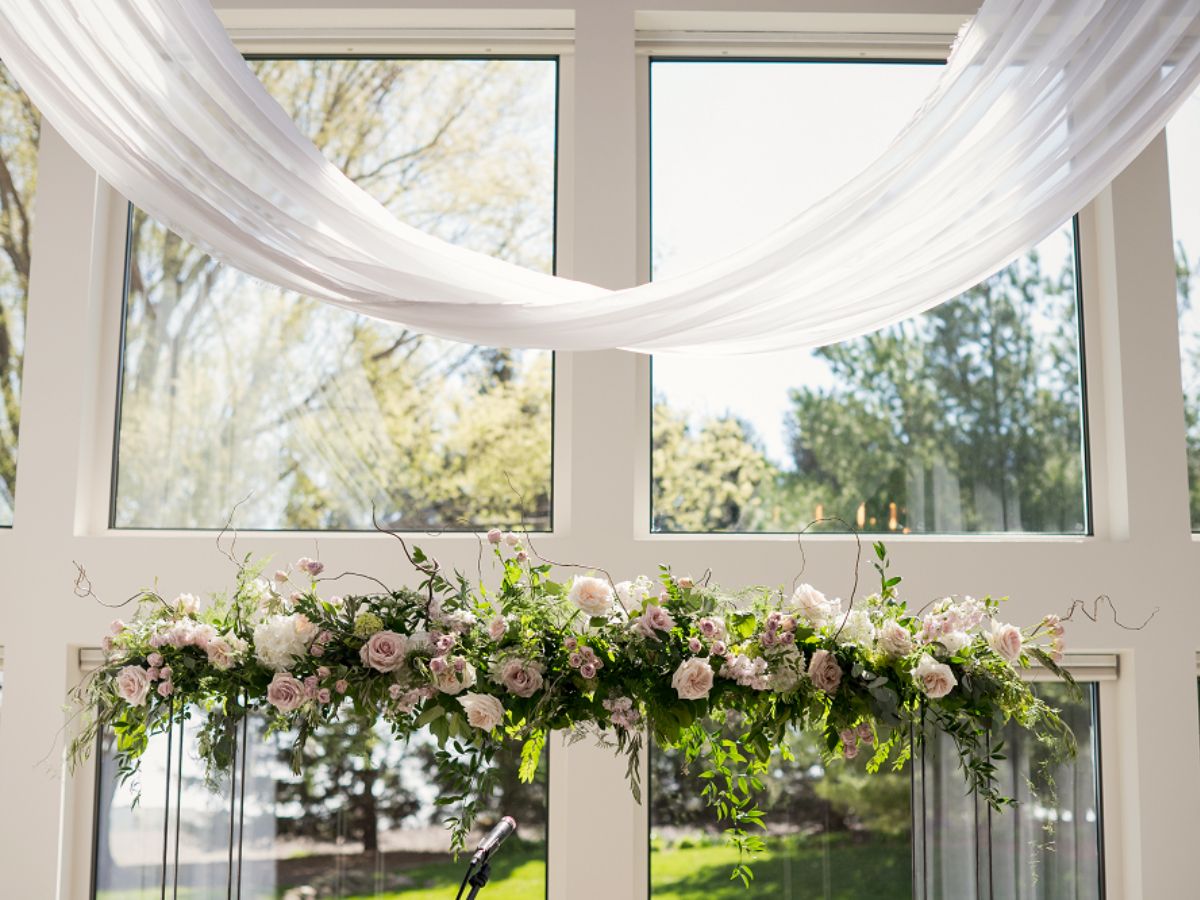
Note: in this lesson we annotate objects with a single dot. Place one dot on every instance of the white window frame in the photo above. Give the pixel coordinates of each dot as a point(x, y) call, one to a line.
point(1141, 552)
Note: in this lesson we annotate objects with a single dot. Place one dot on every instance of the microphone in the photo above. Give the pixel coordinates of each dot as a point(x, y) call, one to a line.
point(493, 839)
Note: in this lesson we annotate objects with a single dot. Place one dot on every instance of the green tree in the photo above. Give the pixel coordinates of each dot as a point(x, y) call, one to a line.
point(963, 419)
point(234, 388)
point(712, 476)
point(18, 183)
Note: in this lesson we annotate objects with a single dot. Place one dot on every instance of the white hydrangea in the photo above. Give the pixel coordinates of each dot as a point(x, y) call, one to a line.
point(280, 640)
point(856, 629)
point(633, 594)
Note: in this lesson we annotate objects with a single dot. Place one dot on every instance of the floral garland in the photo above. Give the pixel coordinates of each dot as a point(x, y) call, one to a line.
point(687, 663)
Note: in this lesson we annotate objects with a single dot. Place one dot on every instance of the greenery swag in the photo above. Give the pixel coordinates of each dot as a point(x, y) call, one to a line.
point(721, 675)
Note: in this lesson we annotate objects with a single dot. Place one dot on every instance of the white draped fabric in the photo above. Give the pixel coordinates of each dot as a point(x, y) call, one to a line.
point(1043, 102)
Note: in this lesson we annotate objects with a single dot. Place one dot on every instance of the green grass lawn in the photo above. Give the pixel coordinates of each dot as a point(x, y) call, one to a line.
point(808, 869)
point(793, 869)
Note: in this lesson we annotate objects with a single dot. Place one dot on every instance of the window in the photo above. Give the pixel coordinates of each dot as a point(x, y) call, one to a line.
point(1183, 146)
point(360, 822)
point(838, 832)
point(968, 418)
point(18, 182)
point(308, 415)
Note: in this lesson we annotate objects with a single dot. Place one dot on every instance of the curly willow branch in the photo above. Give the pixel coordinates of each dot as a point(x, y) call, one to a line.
point(857, 560)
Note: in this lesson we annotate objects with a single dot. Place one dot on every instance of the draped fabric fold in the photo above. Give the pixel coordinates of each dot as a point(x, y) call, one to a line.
point(1042, 103)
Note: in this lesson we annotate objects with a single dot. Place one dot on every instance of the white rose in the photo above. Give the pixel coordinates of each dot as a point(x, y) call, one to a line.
point(954, 641)
point(593, 595)
point(895, 639)
point(813, 607)
point(1006, 641)
point(133, 684)
point(693, 679)
point(484, 711)
point(934, 678)
point(857, 629)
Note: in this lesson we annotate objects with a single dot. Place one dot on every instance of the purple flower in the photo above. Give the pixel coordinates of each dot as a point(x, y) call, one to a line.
point(311, 566)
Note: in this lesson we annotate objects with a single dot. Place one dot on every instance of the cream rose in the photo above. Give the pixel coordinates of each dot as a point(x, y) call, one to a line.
point(133, 684)
point(825, 672)
point(895, 639)
point(484, 711)
point(1006, 640)
point(813, 607)
point(285, 692)
point(934, 678)
point(384, 651)
point(593, 595)
point(225, 650)
point(453, 679)
point(693, 679)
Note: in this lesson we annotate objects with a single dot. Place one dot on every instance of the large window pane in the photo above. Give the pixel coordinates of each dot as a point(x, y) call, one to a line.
point(232, 389)
point(360, 822)
point(834, 832)
point(966, 419)
point(1183, 151)
point(838, 833)
point(18, 181)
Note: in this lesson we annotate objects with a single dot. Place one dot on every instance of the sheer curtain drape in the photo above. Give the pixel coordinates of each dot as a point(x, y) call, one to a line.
point(1042, 103)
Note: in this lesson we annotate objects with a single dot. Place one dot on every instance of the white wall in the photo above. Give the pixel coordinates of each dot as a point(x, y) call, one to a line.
point(1142, 553)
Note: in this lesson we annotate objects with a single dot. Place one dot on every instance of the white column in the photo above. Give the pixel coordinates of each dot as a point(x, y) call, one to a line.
point(598, 833)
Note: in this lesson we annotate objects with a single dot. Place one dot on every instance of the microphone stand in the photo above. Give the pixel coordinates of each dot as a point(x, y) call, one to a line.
point(476, 878)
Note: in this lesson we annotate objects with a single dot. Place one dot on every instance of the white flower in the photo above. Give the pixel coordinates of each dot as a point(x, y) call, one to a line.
point(593, 595)
point(857, 629)
point(786, 670)
point(954, 641)
point(933, 677)
point(747, 671)
point(497, 627)
point(280, 640)
point(712, 627)
point(813, 607)
point(133, 684)
point(484, 711)
point(633, 594)
point(894, 639)
point(693, 679)
point(186, 604)
point(1006, 641)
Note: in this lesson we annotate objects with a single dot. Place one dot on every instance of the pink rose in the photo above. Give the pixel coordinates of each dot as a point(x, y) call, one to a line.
point(384, 651)
point(694, 644)
point(520, 677)
point(323, 695)
point(653, 618)
point(154, 660)
point(341, 685)
point(285, 693)
point(133, 684)
point(322, 671)
point(281, 576)
point(437, 665)
point(934, 678)
point(588, 670)
point(719, 648)
point(825, 672)
point(1006, 641)
point(693, 679)
point(166, 672)
point(116, 627)
point(713, 628)
point(497, 627)
point(311, 566)
point(494, 536)
point(166, 689)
